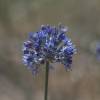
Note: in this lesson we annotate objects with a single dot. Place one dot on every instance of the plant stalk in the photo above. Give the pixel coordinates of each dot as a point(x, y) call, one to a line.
point(46, 80)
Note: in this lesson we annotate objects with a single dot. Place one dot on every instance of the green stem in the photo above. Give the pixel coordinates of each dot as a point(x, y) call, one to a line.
point(46, 81)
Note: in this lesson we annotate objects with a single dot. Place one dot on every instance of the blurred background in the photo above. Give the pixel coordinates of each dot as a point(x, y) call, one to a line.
point(18, 17)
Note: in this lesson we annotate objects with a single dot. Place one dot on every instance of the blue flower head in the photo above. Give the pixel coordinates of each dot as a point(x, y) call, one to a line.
point(49, 43)
point(98, 50)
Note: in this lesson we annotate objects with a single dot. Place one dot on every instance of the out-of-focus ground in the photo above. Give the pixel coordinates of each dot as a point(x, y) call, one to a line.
point(18, 17)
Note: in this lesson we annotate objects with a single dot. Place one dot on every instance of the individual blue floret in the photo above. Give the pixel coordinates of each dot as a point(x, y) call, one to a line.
point(49, 43)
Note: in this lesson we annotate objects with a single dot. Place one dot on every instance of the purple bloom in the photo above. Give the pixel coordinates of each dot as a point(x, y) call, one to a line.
point(98, 50)
point(49, 43)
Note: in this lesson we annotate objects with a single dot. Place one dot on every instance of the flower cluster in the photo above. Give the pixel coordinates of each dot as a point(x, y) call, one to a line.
point(49, 43)
point(98, 50)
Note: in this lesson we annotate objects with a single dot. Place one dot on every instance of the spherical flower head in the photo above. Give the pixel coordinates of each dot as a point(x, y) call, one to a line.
point(49, 43)
point(98, 50)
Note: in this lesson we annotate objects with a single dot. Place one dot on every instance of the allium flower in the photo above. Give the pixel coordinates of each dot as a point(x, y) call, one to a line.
point(49, 43)
point(98, 50)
